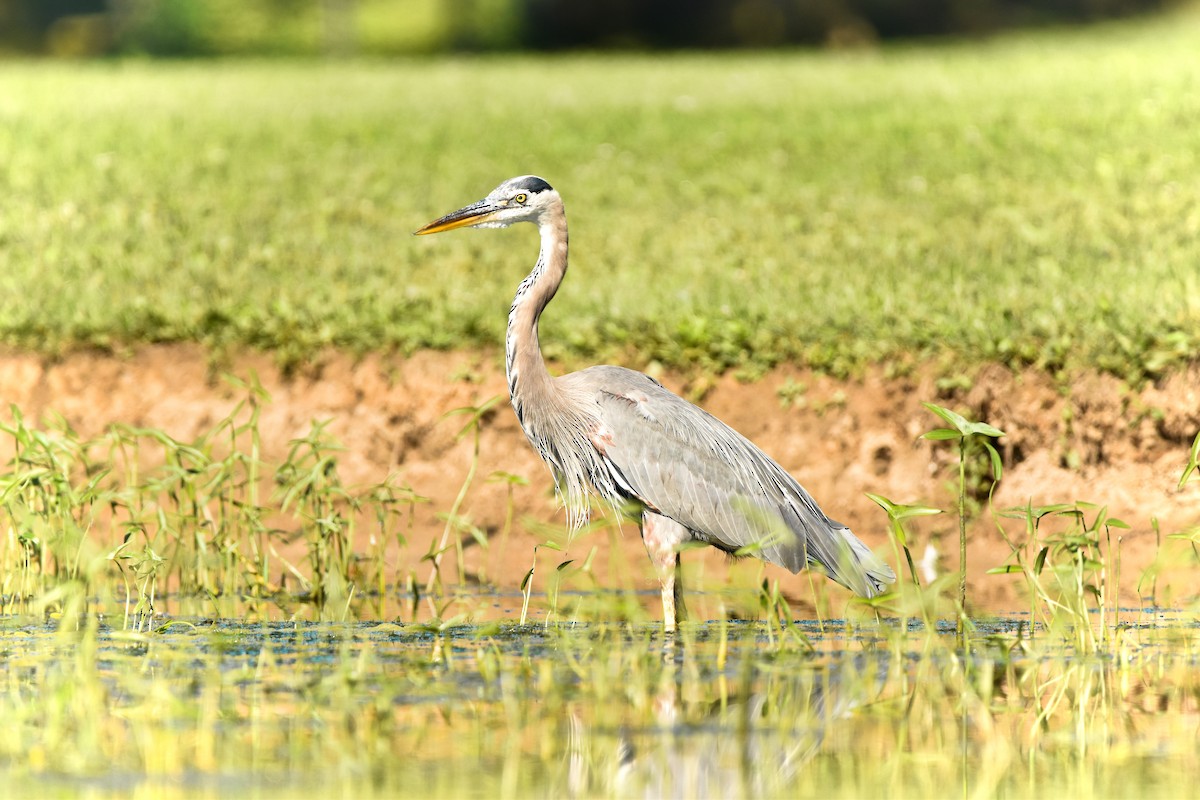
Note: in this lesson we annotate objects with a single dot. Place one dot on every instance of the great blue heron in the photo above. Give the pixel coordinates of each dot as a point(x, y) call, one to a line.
point(633, 442)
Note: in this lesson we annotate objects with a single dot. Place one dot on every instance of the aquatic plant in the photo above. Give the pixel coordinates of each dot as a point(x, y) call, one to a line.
point(967, 434)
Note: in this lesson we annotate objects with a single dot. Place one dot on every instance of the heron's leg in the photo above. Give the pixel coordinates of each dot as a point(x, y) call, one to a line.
point(662, 537)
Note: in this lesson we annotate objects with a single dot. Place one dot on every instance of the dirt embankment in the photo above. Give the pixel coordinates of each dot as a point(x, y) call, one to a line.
point(1095, 440)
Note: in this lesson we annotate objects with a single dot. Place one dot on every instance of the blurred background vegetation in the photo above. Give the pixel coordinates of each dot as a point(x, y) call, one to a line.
point(200, 28)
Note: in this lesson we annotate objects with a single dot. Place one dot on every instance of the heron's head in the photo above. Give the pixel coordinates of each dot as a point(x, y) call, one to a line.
point(522, 199)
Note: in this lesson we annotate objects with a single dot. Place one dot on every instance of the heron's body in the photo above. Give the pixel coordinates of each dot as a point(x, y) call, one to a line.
point(619, 434)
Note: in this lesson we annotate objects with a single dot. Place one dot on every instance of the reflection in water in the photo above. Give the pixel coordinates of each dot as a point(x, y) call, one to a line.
point(751, 742)
point(726, 709)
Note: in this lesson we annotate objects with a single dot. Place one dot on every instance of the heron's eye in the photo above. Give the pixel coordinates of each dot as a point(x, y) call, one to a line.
point(520, 199)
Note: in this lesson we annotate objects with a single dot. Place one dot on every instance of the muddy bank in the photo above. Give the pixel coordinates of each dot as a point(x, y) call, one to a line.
point(1093, 440)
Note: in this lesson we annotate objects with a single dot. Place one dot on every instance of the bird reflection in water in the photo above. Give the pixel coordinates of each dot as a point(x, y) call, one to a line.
point(750, 739)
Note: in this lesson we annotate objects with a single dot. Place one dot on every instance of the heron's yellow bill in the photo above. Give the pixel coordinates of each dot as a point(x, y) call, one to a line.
point(470, 215)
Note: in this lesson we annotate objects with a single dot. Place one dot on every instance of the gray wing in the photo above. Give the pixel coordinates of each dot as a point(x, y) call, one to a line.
point(686, 464)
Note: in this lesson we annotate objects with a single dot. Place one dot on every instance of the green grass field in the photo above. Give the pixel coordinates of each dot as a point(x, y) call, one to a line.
point(1031, 200)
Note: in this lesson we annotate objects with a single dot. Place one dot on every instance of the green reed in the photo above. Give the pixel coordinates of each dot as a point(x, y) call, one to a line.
point(967, 434)
point(134, 514)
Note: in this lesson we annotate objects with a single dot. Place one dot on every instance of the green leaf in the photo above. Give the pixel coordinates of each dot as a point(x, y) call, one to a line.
point(958, 421)
point(961, 424)
point(1191, 535)
point(525, 581)
point(882, 502)
point(1039, 563)
point(1016, 512)
point(897, 512)
point(1193, 463)
point(1005, 570)
point(1057, 508)
point(904, 512)
point(477, 414)
point(941, 434)
point(997, 468)
point(877, 601)
point(985, 429)
point(500, 476)
point(478, 534)
point(564, 565)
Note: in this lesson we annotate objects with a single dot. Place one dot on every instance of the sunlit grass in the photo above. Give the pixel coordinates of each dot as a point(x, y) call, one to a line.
point(1028, 200)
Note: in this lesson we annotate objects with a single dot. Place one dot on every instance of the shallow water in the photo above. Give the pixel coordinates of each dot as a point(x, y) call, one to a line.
point(725, 709)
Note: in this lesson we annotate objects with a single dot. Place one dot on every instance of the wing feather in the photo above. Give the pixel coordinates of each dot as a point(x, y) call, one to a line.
point(684, 463)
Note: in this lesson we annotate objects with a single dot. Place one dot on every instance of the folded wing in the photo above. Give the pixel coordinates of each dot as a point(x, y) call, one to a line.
point(686, 464)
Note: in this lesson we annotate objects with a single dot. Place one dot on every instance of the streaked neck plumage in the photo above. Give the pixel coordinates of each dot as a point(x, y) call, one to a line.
point(554, 420)
point(529, 382)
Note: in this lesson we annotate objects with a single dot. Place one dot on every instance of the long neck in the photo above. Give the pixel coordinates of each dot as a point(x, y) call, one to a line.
point(526, 369)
